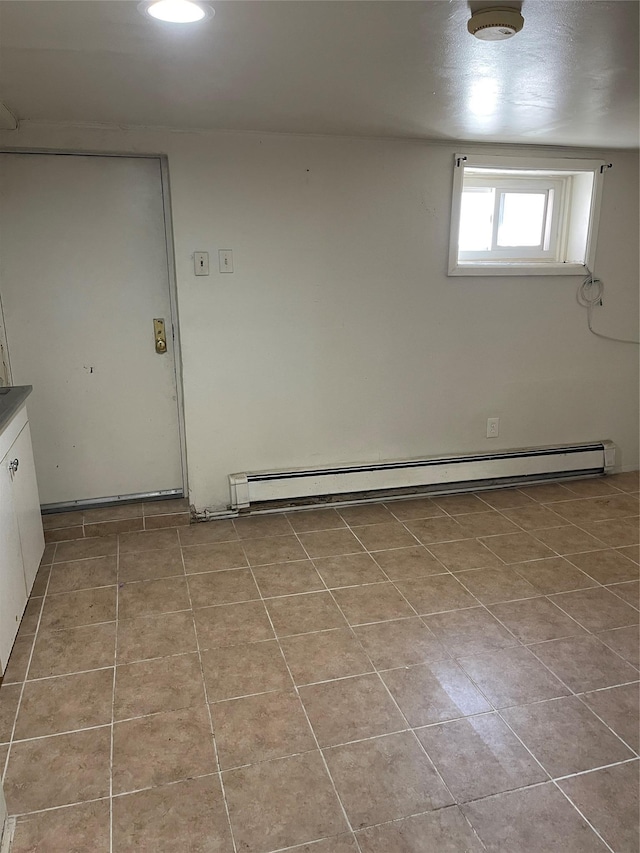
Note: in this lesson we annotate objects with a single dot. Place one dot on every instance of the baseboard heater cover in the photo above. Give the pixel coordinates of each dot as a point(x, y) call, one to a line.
point(577, 459)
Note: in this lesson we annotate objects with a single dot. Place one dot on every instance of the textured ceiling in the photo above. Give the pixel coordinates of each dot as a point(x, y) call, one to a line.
point(402, 69)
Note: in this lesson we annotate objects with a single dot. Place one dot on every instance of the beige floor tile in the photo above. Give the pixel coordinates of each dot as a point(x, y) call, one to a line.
point(568, 539)
point(536, 619)
point(275, 549)
point(155, 636)
point(587, 510)
point(48, 554)
point(485, 524)
point(167, 747)
point(400, 779)
point(401, 642)
point(344, 843)
point(58, 520)
point(300, 614)
point(171, 505)
point(65, 703)
point(591, 488)
point(223, 587)
point(470, 631)
point(434, 692)
point(72, 829)
point(517, 547)
point(83, 574)
point(534, 517)
point(431, 530)
point(627, 481)
point(151, 540)
point(366, 514)
point(325, 655)
point(54, 771)
point(41, 581)
point(262, 525)
point(108, 528)
point(9, 699)
point(606, 566)
point(176, 519)
point(164, 684)
point(479, 756)
point(618, 707)
point(150, 565)
point(408, 563)
point(241, 670)
point(630, 551)
point(491, 586)
point(465, 554)
point(288, 578)
point(330, 543)
point(617, 532)
point(565, 736)
point(381, 537)
point(84, 607)
point(548, 492)
point(16, 669)
point(260, 728)
point(314, 519)
point(229, 624)
point(414, 508)
point(112, 513)
point(348, 570)
point(445, 831)
point(436, 594)
point(584, 663)
point(186, 816)
point(82, 549)
point(554, 574)
point(459, 504)
point(73, 650)
point(625, 642)
point(608, 798)
point(280, 803)
point(213, 557)
point(376, 602)
point(504, 498)
point(208, 533)
point(629, 592)
point(533, 820)
point(147, 598)
point(30, 617)
point(512, 676)
point(350, 709)
point(596, 609)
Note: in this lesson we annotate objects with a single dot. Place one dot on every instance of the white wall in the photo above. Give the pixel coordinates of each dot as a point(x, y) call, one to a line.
point(340, 338)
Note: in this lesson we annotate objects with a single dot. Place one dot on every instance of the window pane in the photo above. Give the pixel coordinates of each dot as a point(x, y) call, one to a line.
point(521, 219)
point(476, 220)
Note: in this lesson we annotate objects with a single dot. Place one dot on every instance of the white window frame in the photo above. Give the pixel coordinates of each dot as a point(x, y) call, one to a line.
point(570, 237)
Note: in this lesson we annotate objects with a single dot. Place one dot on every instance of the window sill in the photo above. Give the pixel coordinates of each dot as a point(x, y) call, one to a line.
point(516, 269)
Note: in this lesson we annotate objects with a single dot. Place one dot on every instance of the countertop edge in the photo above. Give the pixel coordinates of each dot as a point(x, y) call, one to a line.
point(11, 402)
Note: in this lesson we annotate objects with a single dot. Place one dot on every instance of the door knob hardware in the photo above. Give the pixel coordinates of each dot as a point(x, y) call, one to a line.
point(13, 465)
point(160, 336)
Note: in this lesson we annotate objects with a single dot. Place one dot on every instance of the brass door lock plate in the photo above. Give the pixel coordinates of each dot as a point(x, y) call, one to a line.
point(160, 336)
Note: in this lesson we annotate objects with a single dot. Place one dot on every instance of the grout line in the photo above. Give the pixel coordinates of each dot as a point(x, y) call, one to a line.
point(113, 698)
point(304, 710)
point(208, 710)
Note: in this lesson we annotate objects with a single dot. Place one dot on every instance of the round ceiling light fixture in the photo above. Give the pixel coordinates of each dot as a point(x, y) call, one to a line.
point(495, 24)
point(178, 11)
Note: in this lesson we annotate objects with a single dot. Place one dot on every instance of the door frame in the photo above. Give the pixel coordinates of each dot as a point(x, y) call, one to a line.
point(165, 189)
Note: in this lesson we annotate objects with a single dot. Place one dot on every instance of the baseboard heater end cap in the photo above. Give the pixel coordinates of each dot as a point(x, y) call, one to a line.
point(609, 456)
point(239, 486)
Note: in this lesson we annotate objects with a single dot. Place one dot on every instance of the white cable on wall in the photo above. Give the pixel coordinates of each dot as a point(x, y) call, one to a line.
point(590, 293)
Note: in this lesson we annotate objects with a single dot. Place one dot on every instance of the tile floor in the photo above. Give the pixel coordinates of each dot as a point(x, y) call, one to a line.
point(443, 675)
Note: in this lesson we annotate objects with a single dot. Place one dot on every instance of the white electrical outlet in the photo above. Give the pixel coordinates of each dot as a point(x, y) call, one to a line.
point(493, 427)
point(225, 260)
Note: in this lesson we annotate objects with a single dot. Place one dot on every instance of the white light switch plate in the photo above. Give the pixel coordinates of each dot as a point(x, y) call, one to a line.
point(201, 263)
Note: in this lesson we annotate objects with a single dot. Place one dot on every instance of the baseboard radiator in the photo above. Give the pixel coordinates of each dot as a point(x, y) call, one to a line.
point(448, 473)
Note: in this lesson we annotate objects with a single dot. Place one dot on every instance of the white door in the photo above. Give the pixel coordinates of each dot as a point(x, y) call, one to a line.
point(83, 275)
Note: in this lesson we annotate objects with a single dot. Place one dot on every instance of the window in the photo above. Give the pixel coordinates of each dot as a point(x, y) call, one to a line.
point(512, 216)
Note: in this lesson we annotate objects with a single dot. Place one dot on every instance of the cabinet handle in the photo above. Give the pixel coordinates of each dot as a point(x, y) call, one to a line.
point(13, 465)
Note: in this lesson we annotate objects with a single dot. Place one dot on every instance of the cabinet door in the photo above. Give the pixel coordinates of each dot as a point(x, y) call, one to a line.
point(13, 591)
point(27, 505)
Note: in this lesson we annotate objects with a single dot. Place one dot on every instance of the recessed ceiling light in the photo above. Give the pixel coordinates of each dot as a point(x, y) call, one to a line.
point(178, 11)
point(495, 24)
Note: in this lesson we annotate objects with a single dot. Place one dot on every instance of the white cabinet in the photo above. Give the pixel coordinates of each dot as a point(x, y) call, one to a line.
point(21, 536)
